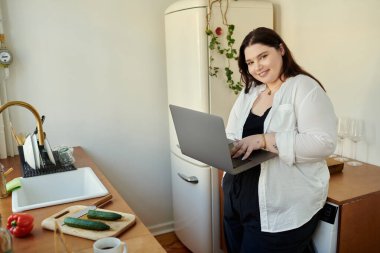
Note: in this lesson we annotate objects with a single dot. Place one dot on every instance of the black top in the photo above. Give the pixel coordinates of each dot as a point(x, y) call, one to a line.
point(241, 190)
point(254, 124)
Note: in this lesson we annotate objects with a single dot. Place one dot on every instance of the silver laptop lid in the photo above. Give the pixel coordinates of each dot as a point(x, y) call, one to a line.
point(202, 136)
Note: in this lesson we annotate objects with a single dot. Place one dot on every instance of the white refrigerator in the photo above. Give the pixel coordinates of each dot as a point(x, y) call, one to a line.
point(194, 184)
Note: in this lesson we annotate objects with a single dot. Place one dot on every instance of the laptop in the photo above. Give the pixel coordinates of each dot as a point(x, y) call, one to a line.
point(202, 136)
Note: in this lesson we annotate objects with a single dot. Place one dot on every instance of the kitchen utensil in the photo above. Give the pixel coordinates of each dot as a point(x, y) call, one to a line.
point(21, 138)
point(110, 245)
point(49, 151)
point(42, 121)
point(29, 152)
point(101, 202)
point(117, 227)
point(14, 134)
point(36, 151)
point(9, 171)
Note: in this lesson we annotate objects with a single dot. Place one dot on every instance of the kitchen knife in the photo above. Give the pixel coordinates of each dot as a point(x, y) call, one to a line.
point(101, 202)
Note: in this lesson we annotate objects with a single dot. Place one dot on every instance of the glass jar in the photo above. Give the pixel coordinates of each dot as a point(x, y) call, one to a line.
point(5, 239)
point(65, 155)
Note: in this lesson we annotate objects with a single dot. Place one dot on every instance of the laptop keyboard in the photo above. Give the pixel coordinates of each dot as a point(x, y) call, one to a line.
point(236, 162)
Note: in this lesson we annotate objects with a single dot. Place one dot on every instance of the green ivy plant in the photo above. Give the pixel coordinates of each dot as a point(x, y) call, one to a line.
point(215, 45)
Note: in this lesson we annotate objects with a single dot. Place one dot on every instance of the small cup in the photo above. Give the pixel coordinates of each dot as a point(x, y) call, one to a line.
point(109, 245)
point(65, 155)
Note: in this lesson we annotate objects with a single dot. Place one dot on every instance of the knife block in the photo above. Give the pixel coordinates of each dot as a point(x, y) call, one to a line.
point(47, 167)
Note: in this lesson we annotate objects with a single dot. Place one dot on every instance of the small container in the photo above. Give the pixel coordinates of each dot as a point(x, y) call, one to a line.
point(110, 245)
point(6, 243)
point(65, 155)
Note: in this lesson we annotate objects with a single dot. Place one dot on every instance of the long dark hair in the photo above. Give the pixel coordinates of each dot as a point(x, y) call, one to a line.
point(270, 38)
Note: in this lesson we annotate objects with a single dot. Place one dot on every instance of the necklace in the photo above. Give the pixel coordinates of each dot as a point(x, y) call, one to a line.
point(274, 89)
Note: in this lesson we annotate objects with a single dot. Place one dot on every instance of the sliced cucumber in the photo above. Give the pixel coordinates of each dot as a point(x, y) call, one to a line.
point(86, 224)
point(101, 215)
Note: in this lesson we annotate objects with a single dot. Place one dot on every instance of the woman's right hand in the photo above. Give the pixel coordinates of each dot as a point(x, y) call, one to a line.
point(245, 146)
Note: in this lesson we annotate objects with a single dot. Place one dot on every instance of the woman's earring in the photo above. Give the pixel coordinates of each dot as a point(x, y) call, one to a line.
point(282, 50)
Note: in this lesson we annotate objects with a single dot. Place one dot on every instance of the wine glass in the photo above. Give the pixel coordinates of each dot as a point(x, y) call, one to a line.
point(355, 135)
point(343, 131)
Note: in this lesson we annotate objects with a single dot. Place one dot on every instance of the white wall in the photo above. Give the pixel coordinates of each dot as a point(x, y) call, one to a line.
point(96, 69)
point(338, 42)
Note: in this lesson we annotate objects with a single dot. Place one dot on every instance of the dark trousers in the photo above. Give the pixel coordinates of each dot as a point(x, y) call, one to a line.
point(242, 220)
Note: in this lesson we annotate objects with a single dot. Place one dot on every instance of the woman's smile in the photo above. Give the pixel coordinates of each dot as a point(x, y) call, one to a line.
point(263, 73)
point(264, 63)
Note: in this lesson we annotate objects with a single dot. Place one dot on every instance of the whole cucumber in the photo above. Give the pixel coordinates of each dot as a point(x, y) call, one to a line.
point(86, 224)
point(101, 215)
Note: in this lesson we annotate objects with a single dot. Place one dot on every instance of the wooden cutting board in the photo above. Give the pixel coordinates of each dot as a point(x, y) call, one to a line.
point(117, 227)
point(334, 166)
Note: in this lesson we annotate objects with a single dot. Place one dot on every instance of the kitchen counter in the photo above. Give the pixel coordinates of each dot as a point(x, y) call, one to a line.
point(138, 238)
point(354, 183)
point(357, 193)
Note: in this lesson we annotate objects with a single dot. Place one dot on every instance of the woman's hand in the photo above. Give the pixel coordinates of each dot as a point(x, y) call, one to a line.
point(245, 146)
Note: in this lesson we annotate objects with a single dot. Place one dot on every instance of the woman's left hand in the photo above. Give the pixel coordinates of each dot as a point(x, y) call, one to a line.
point(245, 146)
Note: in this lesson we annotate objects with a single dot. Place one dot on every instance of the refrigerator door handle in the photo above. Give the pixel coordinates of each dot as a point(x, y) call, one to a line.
point(191, 179)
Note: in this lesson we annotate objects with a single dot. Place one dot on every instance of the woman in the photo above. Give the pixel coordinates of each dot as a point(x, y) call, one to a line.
point(283, 109)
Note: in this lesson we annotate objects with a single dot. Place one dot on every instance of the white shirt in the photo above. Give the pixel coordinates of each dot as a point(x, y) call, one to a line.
point(293, 186)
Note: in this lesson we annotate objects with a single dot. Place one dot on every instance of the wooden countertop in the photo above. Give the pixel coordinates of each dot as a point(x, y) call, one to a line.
point(354, 183)
point(138, 238)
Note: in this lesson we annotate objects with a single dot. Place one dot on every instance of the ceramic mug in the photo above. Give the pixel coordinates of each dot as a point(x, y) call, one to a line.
point(109, 245)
